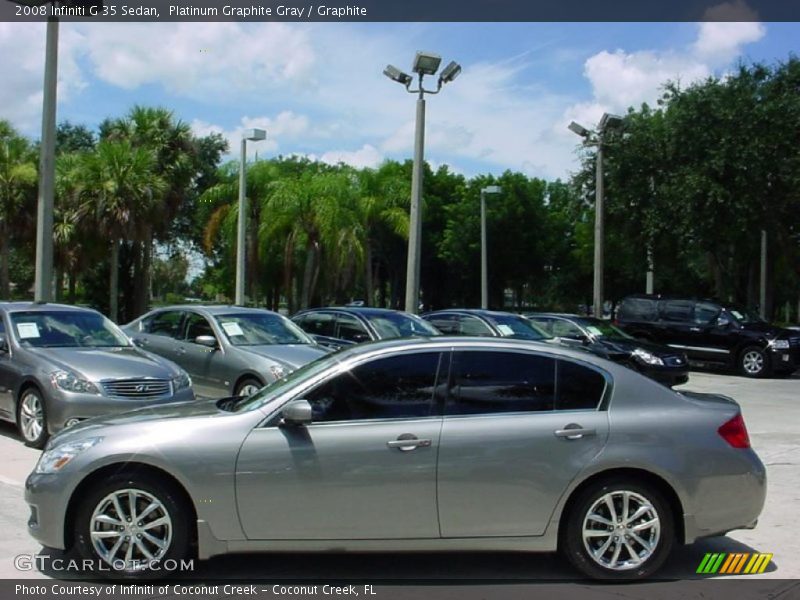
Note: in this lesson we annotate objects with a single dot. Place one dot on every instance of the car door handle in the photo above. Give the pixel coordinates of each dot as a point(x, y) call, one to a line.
point(574, 432)
point(695, 329)
point(406, 444)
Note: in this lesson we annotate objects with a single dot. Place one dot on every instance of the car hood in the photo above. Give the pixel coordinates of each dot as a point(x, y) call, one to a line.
point(97, 364)
point(769, 330)
point(292, 355)
point(624, 346)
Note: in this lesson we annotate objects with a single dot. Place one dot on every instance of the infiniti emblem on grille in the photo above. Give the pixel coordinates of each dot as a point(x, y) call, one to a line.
point(142, 387)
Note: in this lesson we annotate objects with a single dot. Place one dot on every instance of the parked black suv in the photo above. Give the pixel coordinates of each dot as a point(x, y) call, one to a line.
point(712, 332)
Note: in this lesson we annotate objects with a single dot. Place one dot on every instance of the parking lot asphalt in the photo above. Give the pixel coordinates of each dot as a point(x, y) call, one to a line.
point(771, 410)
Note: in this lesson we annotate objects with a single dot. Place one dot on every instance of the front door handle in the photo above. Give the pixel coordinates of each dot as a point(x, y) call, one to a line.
point(695, 329)
point(407, 442)
point(574, 432)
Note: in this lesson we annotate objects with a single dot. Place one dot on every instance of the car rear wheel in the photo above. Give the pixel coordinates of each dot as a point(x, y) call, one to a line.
point(753, 362)
point(618, 529)
point(133, 526)
point(32, 418)
point(248, 386)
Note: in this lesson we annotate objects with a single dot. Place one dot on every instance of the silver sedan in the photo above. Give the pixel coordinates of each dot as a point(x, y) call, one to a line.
point(427, 444)
point(227, 350)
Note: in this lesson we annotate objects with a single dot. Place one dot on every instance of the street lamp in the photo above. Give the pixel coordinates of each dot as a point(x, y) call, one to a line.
point(598, 138)
point(425, 63)
point(490, 189)
point(254, 135)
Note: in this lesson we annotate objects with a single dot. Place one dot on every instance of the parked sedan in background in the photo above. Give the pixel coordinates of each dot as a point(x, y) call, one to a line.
point(228, 350)
point(338, 327)
point(662, 363)
point(62, 364)
point(409, 445)
point(485, 323)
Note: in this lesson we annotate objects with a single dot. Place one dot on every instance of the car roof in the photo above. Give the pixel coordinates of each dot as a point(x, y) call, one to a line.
point(555, 314)
point(481, 312)
point(215, 309)
point(366, 311)
point(43, 307)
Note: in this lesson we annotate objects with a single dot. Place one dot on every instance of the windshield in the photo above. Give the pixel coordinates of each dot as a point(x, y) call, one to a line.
point(399, 325)
point(744, 316)
point(603, 329)
point(257, 329)
point(66, 329)
point(278, 387)
point(518, 328)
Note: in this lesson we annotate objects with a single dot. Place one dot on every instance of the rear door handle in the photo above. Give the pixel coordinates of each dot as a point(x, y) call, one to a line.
point(408, 442)
point(574, 433)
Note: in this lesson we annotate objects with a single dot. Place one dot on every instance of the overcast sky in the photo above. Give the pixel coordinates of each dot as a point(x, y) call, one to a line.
point(318, 89)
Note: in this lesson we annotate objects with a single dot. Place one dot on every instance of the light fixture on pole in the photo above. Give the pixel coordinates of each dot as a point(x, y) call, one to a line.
point(425, 63)
point(489, 189)
point(598, 138)
point(254, 135)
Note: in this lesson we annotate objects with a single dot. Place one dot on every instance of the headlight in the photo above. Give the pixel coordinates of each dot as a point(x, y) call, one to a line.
point(55, 459)
point(278, 371)
point(780, 344)
point(70, 382)
point(181, 381)
point(647, 357)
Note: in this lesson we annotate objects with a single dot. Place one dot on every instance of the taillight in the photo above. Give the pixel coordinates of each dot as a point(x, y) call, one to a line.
point(735, 433)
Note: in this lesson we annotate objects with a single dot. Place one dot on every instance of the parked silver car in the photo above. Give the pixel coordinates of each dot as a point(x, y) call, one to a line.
point(227, 350)
point(61, 364)
point(416, 444)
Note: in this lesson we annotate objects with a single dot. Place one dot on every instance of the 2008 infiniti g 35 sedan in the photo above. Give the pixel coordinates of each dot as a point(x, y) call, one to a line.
point(409, 445)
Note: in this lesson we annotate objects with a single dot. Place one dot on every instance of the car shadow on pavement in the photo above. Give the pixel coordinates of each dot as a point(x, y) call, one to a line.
point(9, 430)
point(412, 567)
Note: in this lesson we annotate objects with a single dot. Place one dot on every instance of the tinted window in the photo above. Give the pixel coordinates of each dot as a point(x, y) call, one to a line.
point(520, 328)
point(637, 309)
point(473, 326)
point(579, 387)
point(500, 382)
point(705, 313)
point(677, 311)
point(386, 388)
point(165, 323)
point(197, 325)
point(445, 323)
point(396, 325)
point(318, 324)
point(350, 328)
point(260, 328)
point(566, 329)
point(544, 324)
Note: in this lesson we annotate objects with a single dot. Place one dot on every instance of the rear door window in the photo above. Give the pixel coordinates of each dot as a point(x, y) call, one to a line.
point(447, 324)
point(705, 313)
point(351, 329)
point(166, 324)
point(637, 309)
point(470, 325)
point(318, 324)
point(579, 387)
point(677, 311)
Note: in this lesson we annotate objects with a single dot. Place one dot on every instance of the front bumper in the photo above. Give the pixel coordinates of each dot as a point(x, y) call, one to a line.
point(787, 359)
point(669, 376)
point(47, 497)
point(63, 406)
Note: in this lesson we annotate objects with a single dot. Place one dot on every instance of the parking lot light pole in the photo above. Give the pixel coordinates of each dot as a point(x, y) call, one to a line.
point(490, 189)
point(597, 139)
point(425, 63)
point(254, 135)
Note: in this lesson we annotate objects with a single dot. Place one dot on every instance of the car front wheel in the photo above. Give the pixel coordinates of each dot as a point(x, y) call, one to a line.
point(753, 362)
point(618, 529)
point(32, 418)
point(247, 387)
point(133, 526)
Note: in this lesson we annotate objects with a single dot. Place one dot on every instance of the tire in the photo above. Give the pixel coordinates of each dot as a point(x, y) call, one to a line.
point(600, 564)
point(32, 418)
point(110, 551)
point(754, 362)
point(244, 384)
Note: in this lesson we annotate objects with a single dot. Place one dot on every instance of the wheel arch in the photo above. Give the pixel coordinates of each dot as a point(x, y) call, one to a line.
point(107, 471)
point(247, 375)
point(638, 475)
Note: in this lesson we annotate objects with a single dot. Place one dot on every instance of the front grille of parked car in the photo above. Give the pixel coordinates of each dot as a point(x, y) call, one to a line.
point(794, 342)
point(137, 389)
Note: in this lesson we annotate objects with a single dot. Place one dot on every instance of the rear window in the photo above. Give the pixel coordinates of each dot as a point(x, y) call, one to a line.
point(677, 311)
point(637, 309)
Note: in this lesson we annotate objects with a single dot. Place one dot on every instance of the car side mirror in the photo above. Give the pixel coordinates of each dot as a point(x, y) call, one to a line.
point(3, 343)
point(206, 340)
point(297, 412)
point(723, 322)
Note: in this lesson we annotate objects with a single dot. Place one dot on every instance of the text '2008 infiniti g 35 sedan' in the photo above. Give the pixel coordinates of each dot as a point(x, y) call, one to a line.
point(410, 445)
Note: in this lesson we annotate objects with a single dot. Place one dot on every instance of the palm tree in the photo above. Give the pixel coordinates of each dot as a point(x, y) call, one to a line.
point(122, 188)
point(67, 227)
point(18, 175)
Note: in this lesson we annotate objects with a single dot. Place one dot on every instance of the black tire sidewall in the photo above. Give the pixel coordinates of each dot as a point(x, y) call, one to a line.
point(169, 496)
point(764, 371)
point(571, 542)
point(247, 381)
point(42, 439)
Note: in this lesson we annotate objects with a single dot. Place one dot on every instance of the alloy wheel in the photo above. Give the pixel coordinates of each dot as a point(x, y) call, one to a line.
point(129, 529)
point(31, 417)
point(621, 530)
point(753, 362)
point(248, 389)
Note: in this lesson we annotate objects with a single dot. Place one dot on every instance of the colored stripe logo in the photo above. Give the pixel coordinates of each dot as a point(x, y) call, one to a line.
point(734, 563)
